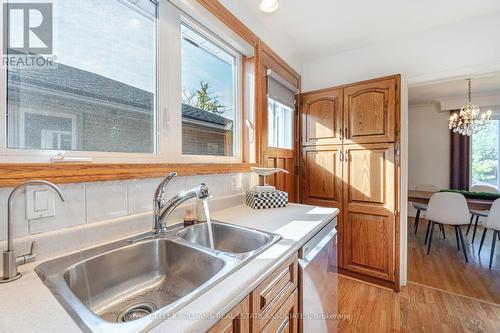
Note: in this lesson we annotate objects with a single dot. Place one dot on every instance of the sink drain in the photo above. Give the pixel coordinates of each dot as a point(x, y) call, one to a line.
point(136, 311)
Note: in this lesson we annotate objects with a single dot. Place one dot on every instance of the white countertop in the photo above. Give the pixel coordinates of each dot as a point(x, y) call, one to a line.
point(26, 305)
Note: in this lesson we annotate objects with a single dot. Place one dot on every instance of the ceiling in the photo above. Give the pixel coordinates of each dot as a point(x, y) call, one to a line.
point(317, 28)
point(454, 89)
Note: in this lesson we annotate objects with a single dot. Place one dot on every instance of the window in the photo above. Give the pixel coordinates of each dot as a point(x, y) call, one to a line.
point(280, 125)
point(131, 80)
point(100, 92)
point(210, 89)
point(280, 111)
point(485, 157)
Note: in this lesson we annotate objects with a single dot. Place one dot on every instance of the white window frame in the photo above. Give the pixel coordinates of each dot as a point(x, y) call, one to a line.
point(168, 120)
point(471, 182)
point(237, 98)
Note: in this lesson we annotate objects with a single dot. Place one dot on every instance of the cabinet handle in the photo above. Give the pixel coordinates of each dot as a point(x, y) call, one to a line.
point(340, 133)
point(341, 155)
point(345, 132)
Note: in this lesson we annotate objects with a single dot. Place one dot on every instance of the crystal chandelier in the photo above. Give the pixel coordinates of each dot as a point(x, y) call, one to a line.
point(469, 120)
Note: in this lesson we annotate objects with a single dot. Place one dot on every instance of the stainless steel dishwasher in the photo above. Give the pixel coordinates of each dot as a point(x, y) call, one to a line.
point(318, 304)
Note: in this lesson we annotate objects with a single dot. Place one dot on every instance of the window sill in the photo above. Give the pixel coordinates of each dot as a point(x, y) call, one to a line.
point(12, 174)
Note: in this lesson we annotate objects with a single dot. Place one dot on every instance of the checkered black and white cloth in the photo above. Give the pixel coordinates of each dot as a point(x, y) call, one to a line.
point(263, 200)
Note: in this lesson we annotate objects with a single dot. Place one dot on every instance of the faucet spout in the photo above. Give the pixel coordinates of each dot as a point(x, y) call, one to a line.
point(9, 204)
point(10, 261)
point(162, 209)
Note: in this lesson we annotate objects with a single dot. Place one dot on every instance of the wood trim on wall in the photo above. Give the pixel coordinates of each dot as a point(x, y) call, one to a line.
point(219, 11)
point(12, 174)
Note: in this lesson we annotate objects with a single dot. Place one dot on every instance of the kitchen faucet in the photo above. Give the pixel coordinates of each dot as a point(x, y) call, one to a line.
point(162, 209)
point(10, 260)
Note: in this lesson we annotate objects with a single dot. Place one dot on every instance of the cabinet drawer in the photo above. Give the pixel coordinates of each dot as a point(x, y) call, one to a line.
point(285, 319)
point(273, 293)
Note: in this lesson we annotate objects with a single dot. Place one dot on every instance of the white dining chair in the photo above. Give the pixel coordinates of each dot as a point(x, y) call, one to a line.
point(492, 222)
point(485, 188)
point(420, 207)
point(448, 208)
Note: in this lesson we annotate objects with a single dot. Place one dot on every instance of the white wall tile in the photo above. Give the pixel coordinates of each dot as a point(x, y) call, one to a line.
point(219, 185)
point(140, 195)
point(101, 201)
point(69, 213)
point(19, 224)
point(246, 181)
point(106, 200)
point(176, 185)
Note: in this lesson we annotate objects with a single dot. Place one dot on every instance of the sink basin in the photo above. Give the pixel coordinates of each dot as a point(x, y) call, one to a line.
point(229, 238)
point(134, 284)
point(119, 289)
point(132, 281)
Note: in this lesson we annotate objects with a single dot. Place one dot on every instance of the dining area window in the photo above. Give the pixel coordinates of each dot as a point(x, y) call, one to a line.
point(484, 155)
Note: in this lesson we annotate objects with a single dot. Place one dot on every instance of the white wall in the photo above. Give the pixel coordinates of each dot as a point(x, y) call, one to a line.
point(447, 49)
point(428, 146)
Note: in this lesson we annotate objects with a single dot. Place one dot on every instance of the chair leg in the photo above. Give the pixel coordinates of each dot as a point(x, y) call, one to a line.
point(470, 224)
point(463, 244)
point(441, 226)
point(493, 244)
point(430, 238)
point(482, 240)
point(427, 232)
point(417, 220)
point(457, 237)
point(475, 229)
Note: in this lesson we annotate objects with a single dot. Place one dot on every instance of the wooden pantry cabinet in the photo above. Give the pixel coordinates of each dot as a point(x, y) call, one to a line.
point(350, 161)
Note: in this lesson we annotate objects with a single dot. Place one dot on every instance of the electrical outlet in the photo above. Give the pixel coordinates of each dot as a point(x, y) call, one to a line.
point(40, 202)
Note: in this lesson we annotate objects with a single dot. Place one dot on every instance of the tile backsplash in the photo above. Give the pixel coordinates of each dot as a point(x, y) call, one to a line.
point(102, 201)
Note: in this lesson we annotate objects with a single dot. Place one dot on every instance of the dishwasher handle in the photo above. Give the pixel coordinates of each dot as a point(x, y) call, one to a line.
point(311, 250)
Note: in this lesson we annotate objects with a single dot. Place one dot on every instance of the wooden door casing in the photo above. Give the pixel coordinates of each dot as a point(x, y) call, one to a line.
point(272, 156)
point(370, 111)
point(368, 209)
point(321, 118)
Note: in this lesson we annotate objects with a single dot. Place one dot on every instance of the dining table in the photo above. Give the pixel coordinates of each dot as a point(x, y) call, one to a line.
point(423, 197)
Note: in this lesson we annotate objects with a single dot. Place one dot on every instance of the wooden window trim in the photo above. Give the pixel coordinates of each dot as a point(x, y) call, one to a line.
point(12, 174)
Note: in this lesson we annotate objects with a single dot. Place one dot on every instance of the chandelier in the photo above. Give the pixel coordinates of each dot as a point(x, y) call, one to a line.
point(469, 120)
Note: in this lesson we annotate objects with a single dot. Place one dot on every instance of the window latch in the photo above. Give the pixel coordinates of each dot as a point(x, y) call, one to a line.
point(62, 158)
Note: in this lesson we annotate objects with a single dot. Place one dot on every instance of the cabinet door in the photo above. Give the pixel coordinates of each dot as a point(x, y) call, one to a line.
point(322, 176)
point(236, 321)
point(322, 118)
point(369, 221)
point(370, 111)
point(285, 319)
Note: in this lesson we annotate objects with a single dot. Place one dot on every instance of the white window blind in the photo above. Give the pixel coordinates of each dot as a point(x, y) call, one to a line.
point(280, 90)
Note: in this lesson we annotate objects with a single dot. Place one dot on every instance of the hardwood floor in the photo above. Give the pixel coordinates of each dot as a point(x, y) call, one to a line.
point(445, 267)
point(373, 309)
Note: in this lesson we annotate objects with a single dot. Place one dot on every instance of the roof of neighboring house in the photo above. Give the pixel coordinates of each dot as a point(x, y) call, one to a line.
point(194, 113)
point(87, 84)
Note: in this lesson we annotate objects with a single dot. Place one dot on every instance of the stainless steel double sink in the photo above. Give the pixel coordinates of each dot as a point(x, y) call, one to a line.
point(132, 285)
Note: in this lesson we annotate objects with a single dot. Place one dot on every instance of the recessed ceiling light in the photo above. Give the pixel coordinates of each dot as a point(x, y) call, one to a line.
point(269, 6)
